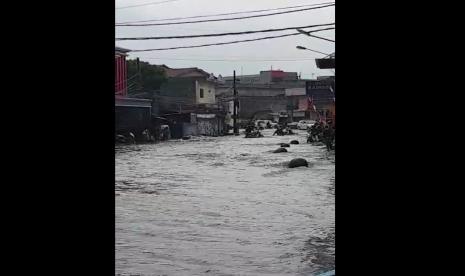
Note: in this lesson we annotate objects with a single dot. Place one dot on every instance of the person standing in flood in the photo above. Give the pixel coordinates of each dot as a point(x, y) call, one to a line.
point(328, 137)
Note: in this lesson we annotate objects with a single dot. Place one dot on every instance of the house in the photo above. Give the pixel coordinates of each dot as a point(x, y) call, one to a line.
point(188, 99)
point(186, 87)
point(131, 115)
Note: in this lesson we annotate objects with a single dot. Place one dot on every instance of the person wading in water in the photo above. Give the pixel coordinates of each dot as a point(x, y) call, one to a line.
point(328, 136)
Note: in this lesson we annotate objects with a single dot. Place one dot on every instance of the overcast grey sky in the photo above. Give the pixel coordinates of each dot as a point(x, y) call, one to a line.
point(242, 53)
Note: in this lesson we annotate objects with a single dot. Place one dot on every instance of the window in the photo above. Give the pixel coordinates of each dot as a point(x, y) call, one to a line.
point(201, 92)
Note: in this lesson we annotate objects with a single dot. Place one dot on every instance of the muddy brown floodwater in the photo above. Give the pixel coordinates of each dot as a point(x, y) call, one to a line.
point(224, 206)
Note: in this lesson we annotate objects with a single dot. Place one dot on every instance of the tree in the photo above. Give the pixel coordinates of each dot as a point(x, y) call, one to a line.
point(151, 77)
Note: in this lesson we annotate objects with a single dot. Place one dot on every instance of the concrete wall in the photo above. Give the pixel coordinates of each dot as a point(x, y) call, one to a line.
point(265, 77)
point(303, 103)
point(248, 106)
point(260, 92)
point(250, 91)
point(209, 92)
point(243, 79)
point(300, 91)
point(255, 99)
point(258, 97)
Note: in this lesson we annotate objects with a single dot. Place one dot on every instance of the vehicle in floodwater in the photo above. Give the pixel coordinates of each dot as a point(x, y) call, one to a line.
point(253, 134)
point(305, 124)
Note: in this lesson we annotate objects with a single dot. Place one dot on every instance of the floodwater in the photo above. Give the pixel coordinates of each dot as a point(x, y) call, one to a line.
point(224, 206)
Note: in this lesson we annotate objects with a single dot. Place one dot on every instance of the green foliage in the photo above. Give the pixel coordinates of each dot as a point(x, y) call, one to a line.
point(152, 77)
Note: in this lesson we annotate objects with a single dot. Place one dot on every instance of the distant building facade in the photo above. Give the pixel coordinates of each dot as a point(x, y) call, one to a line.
point(266, 95)
point(265, 77)
point(323, 94)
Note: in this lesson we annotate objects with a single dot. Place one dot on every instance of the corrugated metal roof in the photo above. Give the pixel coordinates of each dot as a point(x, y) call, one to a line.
point(121, 50)
point(124, 101)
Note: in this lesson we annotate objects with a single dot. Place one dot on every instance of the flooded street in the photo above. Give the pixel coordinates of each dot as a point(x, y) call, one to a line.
point(224, 206)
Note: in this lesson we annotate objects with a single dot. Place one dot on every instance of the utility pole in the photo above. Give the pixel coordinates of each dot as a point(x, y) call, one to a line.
point(292, 111)
point(139, 76)
point(290, 107)
point(236, 130)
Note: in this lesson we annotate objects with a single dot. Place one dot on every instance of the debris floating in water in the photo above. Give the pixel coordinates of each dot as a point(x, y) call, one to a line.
point(298, 162)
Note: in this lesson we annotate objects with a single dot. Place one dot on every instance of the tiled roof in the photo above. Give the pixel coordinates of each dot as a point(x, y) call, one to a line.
point(184, 72)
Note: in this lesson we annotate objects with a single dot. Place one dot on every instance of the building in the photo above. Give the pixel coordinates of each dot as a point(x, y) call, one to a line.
point(131, 115)
point(265, 77)
point(188, 100)
point(299, 105)
point(120, 71)
point(186, 88)
point(323, 95)
point(254, 100)
point(263, 96)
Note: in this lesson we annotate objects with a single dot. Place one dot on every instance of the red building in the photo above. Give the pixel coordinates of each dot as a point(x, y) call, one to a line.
point(120, 71)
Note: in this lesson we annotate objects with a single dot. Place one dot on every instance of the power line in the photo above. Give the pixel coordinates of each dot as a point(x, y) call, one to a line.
point(221, 19)
point(247, 57)
point(146, 4)
point(127, 79)
point(324, 38)
point(235, 60)
point(214, 44)
point(220, 14)
point(308, 34)
point(223, 43)
point(223, 34)
point(127, 89)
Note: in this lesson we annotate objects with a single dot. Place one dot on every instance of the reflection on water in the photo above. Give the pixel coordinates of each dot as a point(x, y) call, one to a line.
point(223, 206)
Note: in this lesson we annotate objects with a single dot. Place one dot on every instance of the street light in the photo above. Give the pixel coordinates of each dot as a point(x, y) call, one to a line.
point(304, 48)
